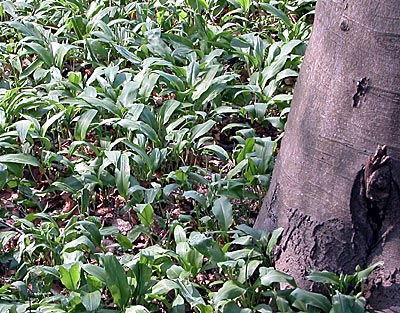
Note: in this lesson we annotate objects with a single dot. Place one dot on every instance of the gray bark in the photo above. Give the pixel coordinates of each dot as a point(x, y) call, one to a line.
point(338, 203)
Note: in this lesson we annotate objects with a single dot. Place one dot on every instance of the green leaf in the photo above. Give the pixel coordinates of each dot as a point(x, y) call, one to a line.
point(124, 242)
point(197, 196)
point(362, 275)
point(201, 129)
point(347, 304)
point(70, 276)
point(59, 51)
point(164, 286)
point(324, 277)
point(222, 210)
point(141, 127)
point(278, 13)
point(286, 73)
point(22, 129)
point(248, 270)
point(172, 80)
point(83, 123)
point(178, 305)
point(190, 293)
point(96, 271)
point(42, 52)
point(3, 175)
point(135, 60)
point(116, 280)
point(273, 276)
point(78, 243)
point(168, 109)
point(229, 291)
point(207, 246)
point(137, 309)
point(123, 174)
point(276, 234)
point(20, 158)
point(50, 121)
point(91, 300)
point(179, 234)
point(205, 83)
point(218, 151)
point(145, 214)
point(311, 299)
point(93, 231)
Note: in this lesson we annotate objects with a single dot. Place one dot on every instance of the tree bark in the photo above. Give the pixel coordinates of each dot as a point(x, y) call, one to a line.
point(335, 188)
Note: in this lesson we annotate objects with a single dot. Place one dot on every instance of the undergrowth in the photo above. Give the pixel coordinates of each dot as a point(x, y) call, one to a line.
point(136, 141)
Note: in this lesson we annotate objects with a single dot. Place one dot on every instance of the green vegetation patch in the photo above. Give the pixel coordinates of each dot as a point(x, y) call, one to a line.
point(136, 141)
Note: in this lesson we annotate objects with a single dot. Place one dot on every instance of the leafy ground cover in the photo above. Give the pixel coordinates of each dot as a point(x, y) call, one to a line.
point(136, 141)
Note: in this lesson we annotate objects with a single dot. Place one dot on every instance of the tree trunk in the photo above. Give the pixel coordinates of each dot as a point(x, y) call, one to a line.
point(334, 190)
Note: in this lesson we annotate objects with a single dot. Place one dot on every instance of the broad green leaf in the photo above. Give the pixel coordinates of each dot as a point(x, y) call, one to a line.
point(105, 103)
point(229, 291)
point(168, 109)
point(20, 158)
point(124, 241)
point(178, 305)
point(141, 127)
point(347, 304)
point(59, 51)
point(145, 213)
point(278, 13)
point(78, 243)
point(91, 300)
point(22, 129)
point(222, 210)
point(286, 73)
point(174, 272)
point(137, 309)
point(272, 70)
point(276, 234)
point(96, 271)
point(273, 276)
point(164, 286)
point(93, 231)
point(190, 293)
point(287, 48)
point(47, 270)
point(116, 280)
point(172, 80)
point(205, 83)
point(362, 275)
point(197, 196)
point(50, 121)
point(128, 55)
point(147, 86)
point(128, 98)
point(179, 234)
point(70, 276)
point(248, 270)
point(201, 129)
point(311, 299)
point(255, 233)
point(3, 175)
point(207, 246)
point(69, 184)
point(218, 151)
point(192, 73)
point(83, 124)
point(75, 78)
point(41, 51)
point(324, 277)
point(123, 174)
